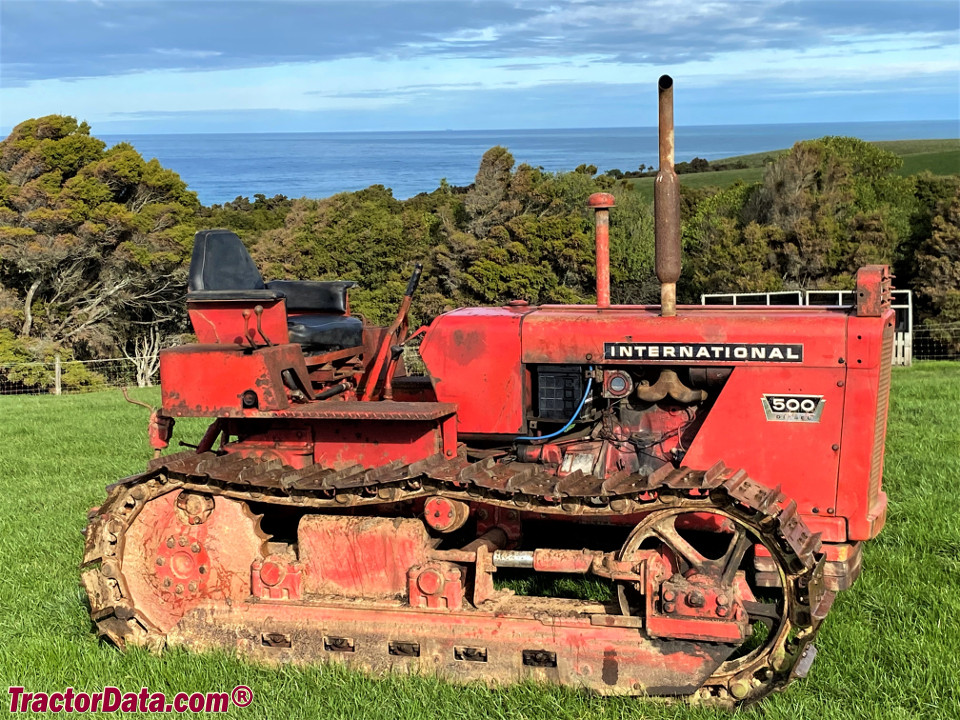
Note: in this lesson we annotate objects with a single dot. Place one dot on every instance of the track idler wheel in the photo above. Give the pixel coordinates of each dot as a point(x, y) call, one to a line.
point(705, 547)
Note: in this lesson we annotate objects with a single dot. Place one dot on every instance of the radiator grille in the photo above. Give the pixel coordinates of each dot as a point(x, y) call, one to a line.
point(883, 397)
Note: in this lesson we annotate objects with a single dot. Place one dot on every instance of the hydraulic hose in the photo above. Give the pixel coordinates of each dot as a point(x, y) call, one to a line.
point(576, 414)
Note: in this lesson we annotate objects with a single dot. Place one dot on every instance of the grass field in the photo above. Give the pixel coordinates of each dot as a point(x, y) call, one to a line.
point(939, 156)
point(890, 648)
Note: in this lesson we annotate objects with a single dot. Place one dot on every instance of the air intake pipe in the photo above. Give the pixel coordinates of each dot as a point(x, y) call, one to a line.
point(601, 204)
point(666, 206)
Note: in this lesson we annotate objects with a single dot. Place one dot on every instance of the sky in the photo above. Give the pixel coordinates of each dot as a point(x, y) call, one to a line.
point(171, 66)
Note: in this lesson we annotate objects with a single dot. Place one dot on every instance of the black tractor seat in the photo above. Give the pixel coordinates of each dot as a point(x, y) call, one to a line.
point(325, 332)
point(222, 270)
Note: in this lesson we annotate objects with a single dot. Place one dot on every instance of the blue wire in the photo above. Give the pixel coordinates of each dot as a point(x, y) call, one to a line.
point(576, 414)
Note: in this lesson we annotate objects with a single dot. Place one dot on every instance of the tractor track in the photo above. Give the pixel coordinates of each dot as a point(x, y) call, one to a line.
point(514, 486)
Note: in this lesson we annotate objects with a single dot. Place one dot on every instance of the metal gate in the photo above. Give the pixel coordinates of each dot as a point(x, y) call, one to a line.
point(902, 304)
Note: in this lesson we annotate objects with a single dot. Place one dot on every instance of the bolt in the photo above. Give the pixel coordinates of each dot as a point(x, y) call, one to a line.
point(182, 541)
point(669, 607)
point(722, 611)
point(179, 590)
point(195, 547)
point(669, 595)
point(696, 599)
point(160, 561)
point(723, 600)
point(171, 542)
point(835, 447)
point(192, 587)
point(167, 582)
point(203, 570)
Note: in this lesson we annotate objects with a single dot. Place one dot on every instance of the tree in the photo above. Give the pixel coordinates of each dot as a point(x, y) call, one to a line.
point(838, 207)
point(725, 253)
point(938, 275)
point(92, 241)
point(484, 199)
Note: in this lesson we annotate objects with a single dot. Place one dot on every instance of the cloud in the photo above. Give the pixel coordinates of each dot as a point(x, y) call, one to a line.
point(42, 39)
point(575, 104)
point(196, 54)
point(45, 39)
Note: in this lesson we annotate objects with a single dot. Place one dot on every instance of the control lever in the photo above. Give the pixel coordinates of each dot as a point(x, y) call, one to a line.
point(393, 336)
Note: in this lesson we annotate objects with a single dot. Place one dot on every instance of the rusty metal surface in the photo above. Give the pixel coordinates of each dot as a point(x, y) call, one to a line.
point(359, 557)
point(211, 380)
point(357, 410)
point(874, 290)
point(116, 607)
point(666, 201)
point(601, 203)
point(507, 648)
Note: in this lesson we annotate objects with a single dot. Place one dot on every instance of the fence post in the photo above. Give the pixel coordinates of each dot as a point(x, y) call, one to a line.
point(56, 374)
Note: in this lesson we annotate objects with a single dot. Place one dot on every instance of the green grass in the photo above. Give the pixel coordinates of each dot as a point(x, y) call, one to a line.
point(889, 649)
point(939, 163)
point(940, 156)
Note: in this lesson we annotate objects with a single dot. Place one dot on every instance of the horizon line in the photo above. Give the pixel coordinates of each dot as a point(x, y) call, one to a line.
point(6, 131)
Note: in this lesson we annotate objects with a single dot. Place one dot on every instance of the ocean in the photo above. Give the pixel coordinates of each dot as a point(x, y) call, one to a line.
point(221, 167)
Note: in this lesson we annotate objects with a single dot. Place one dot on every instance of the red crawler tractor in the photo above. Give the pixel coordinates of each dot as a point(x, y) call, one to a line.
point(715, 470)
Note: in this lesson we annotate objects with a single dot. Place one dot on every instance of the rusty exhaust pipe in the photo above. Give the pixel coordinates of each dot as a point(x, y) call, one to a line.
point(666, 206)
point(601, 203)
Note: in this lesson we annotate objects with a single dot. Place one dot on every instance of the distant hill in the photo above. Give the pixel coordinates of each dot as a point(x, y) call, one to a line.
point(939, 156)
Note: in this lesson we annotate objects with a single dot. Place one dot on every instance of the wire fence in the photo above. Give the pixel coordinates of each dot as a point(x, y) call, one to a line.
point(67, 377)
point(939, 341)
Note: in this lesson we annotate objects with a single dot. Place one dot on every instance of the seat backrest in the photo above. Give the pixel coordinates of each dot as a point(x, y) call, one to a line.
point(221, 262)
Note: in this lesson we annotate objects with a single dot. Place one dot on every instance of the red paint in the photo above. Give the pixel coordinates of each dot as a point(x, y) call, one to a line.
point(210, 380)
point(601, 202)
point(359, 557)
point(276, 578)
point(473, 359)
point(437, 585)
point(235, 323)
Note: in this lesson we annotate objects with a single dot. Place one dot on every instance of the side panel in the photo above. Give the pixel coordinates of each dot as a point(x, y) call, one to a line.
point(473, 357)
point(374, 443)
point(860, 497)
point(711, 336)
point(209, 380)
point(802, 457)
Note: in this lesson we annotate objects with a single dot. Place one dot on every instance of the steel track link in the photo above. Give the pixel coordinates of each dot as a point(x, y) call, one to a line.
point(764, 510)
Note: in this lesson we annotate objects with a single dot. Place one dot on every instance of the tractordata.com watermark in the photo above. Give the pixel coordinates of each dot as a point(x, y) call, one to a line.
point(112, 699)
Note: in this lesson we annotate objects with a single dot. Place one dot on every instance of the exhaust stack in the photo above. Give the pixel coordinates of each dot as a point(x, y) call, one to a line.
point(666, 206)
